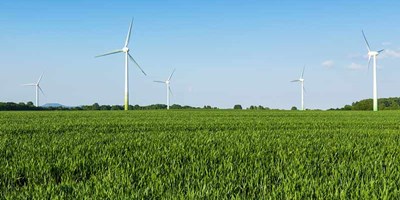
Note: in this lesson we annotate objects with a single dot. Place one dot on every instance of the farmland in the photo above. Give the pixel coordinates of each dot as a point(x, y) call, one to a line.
point(199, 154)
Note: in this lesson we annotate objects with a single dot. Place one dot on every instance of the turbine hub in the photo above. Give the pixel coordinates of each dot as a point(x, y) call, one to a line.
point(301, 80)
point(125, 49)
point(373, 53)
point(167, 82)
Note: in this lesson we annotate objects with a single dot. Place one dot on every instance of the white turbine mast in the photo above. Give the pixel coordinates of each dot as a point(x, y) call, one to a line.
point(125, 50)
point(37, 88)
point(167, 83)
point(373, 54)
point(301, 80)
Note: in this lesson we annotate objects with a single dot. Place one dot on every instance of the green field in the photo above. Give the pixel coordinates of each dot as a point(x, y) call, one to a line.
point(200, 155)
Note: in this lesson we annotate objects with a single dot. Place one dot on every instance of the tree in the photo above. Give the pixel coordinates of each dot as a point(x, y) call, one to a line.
point(136, 107)
point(237, 107)
point(347, 107)
point(105, 107)
point(294, 108)
point(95, 106)
point(207, 107)
point(176, 106)
point(116, 107)
point(365, 104)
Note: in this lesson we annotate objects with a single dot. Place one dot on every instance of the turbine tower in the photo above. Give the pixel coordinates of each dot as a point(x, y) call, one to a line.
point(374, 55)
point(167, 83)
point(301, 80)
point(37, 87)
point(125, 50)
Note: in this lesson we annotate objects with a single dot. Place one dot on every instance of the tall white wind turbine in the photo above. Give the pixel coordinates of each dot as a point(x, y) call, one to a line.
point(125, 50)
point(167, 83)
point(301, 80)
point(373, 54)
point(37, 87)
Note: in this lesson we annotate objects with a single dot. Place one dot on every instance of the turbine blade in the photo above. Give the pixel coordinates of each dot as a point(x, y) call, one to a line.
point(170, 76)
point(381, 50)
point(29, 84)
point(40, 78)
point(304, 89)
point(170, 91)
point(41, 90)
point(136, 64)
point(369, 61)
point(159, 81)
point(295, 81)
point(128, 36)
point(109, 53)
point(302, 73)
point(366, 41)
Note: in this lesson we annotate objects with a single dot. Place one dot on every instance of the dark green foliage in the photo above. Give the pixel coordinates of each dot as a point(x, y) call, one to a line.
point(210, 154)
point(209, 107)
point(95, 106)
point(392, 103)
point(15, 106)
point(29, 106)
point(258, 108)
point(237, 107)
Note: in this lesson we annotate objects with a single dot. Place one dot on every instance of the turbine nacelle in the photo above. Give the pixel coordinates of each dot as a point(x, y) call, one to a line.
point(125, 49)
point(373, 53)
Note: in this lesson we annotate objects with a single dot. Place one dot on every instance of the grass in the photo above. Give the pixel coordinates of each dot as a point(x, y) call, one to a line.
point(200, 154)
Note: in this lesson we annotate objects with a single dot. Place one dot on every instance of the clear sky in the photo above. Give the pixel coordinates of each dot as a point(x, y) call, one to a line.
point(225, 52)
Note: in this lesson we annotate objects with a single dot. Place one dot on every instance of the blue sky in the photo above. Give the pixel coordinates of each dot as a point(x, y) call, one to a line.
point(224, 52)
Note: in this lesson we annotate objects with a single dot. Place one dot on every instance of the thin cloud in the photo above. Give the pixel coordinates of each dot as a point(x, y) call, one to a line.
point(389, 53)
point(355, 66)
point(328, 64)
point(386, 43)
point(356, 56)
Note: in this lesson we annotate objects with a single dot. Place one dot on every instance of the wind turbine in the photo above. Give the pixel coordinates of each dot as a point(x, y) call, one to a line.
point(167, 83)
point(301, 80)
point(373, 54)
point(125, 50)
point(37, 87)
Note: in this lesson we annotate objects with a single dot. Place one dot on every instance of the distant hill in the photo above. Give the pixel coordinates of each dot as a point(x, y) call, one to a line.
point(391, 103)
point(53, 105)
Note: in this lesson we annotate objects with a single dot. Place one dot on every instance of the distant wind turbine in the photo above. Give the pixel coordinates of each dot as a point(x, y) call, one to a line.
point(37, 87)
point(301, 80)
point(167, 83)
point(374, 55)
point(125, 50)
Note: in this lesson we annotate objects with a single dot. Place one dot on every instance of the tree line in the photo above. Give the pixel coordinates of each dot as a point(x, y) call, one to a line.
point(30, 106)
point(392, 103)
